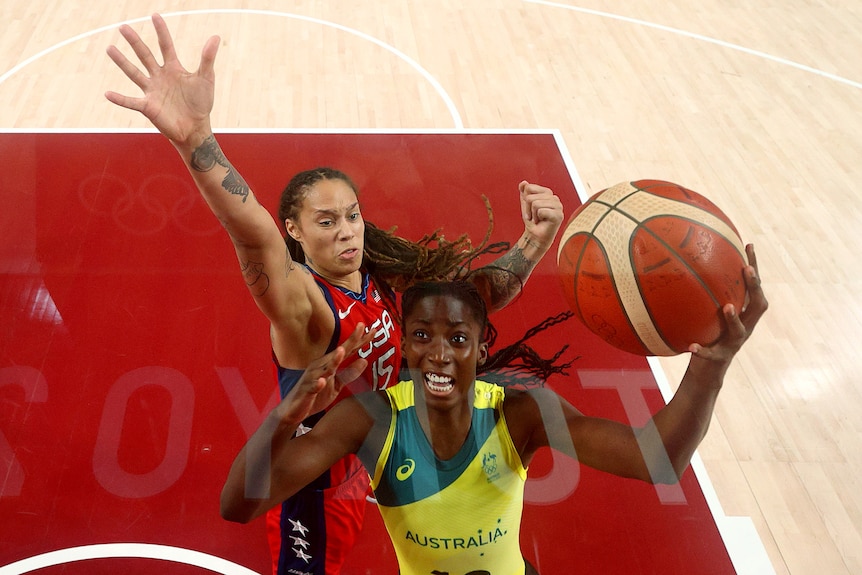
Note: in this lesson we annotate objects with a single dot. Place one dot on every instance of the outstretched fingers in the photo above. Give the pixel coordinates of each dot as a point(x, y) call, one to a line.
point(135, 75)
point(166, 42)
point(132, 72)
point(360, 337)
point(141, 50)
point(328, 368)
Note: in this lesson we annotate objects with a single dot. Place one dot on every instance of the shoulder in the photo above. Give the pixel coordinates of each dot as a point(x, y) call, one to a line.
point(537, 402)
point(527, 413)
point(520, 404)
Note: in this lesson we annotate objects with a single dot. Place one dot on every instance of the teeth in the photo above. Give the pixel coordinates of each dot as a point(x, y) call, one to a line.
point(440, 383)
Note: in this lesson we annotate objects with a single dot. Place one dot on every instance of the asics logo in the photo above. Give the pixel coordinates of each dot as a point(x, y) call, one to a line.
point(345, 313)
point(405, 470)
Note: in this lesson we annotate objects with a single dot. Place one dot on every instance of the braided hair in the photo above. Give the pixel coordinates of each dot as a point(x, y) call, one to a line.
point(395, 263)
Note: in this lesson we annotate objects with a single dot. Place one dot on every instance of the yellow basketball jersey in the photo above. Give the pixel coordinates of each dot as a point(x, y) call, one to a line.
point(457, 516)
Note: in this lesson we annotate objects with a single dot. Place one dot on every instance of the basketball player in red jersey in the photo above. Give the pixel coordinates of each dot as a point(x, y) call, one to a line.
point(314, 294)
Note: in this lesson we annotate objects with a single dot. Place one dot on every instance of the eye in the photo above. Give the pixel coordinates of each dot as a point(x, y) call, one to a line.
point(459, 338)
point(324, 223)
point(353, 217)
point(420, 334)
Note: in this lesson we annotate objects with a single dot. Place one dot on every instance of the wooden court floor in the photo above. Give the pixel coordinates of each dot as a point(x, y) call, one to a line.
point(756, 105)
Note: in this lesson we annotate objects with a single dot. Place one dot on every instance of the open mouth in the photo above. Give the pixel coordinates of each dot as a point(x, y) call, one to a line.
point(439, 384)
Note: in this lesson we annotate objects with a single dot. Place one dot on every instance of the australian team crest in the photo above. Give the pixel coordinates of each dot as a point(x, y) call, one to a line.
point(489, 465)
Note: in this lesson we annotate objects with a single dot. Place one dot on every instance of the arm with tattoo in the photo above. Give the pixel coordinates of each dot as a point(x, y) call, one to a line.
point(542, 214)
point(255, 277)
point(501, 281)
point(179, 102)
point(206, 156)
point(226, 192)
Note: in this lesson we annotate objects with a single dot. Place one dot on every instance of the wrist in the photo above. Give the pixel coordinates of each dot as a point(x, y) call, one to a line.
point(193, 139)
point(708, 372)
point(531, 244)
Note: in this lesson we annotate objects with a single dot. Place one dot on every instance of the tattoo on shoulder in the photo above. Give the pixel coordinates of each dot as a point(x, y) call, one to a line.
point(206, 156)
point(255, 278)
point(290, 264)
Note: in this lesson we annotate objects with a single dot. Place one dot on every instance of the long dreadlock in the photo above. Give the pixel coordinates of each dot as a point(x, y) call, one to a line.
point(519, 365)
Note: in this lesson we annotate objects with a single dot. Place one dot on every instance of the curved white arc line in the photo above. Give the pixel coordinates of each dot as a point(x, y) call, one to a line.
point(126, 550)
point(450, 105)
point(34, 57)
point(722, 43)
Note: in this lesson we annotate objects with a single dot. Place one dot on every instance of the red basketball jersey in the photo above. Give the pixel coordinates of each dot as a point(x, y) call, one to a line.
point(384, 351)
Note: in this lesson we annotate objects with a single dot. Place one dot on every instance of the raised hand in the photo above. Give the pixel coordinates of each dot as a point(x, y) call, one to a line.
point(176, 101)
point(322, 381)
point(542, 212)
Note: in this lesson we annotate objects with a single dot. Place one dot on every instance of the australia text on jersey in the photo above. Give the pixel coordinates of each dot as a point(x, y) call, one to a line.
point(480, 539)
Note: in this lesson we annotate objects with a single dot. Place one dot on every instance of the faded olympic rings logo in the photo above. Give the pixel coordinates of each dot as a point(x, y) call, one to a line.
point(145, 211)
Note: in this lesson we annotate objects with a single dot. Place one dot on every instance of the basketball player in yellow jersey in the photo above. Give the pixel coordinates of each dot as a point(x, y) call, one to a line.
point(448, 454)
point(445, 514)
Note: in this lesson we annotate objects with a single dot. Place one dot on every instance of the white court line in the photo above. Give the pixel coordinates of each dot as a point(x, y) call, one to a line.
point(740, 537)
point(715, 41)
point(126, 550)
point(450, 105)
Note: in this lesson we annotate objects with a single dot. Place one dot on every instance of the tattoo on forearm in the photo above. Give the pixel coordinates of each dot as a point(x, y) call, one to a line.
point(517, 263)
point(255, 278)
point(531, 242)
point(507, 276)
point(206, 156)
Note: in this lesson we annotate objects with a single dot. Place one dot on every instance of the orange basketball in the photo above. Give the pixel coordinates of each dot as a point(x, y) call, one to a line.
point(648, 265)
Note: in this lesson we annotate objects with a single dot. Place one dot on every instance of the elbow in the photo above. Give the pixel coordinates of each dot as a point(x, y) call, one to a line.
point(665, 470)
point(235, 510)
point(665, 461)
point(232, 515)
point(668, 476)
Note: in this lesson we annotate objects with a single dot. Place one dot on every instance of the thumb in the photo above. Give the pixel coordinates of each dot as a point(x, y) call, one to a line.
point(208, 54)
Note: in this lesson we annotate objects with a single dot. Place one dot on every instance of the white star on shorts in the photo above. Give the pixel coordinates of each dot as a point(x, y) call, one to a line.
point(301, 554)
point(298, 526)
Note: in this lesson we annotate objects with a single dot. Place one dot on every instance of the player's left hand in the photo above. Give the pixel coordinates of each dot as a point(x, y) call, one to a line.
point(323, 380)
point(740, 324)
point(542, 212)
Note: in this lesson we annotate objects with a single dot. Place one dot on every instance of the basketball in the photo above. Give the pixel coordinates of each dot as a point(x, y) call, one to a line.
point(648, 265)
